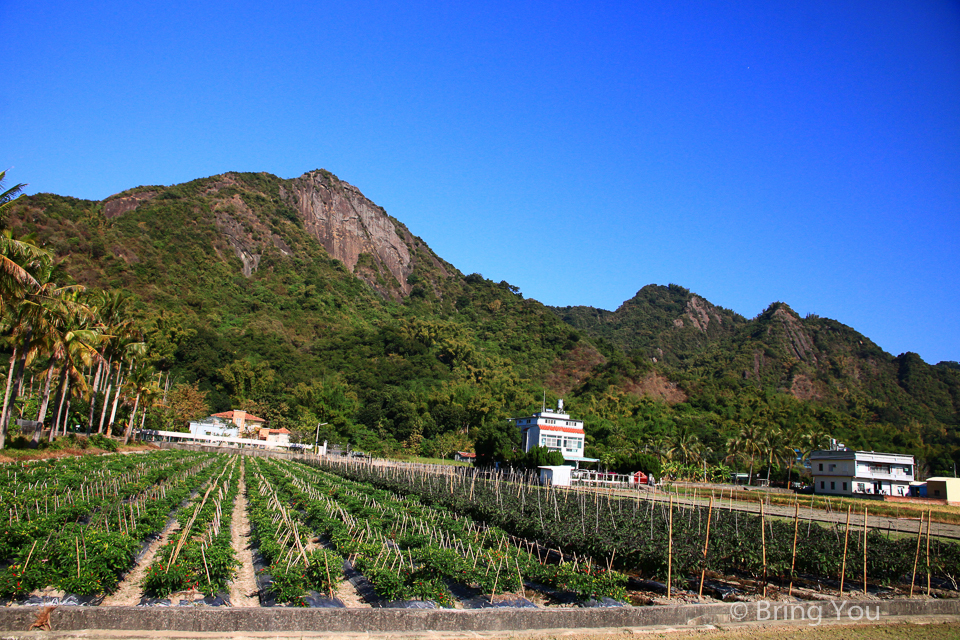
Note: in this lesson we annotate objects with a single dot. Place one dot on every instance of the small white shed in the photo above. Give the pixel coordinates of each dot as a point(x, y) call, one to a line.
point(556, 476)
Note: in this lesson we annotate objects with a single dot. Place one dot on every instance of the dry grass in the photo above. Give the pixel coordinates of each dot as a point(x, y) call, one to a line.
point(24, 455)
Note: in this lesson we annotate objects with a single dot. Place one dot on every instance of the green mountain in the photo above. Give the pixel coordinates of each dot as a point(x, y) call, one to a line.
point(827, 373)
point(304, 302)
point(666, 324)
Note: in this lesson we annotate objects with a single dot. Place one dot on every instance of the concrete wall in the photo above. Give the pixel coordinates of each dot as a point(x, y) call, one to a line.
point(227, 620)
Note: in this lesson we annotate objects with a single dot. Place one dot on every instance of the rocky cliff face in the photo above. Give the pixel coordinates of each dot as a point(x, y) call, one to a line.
point(354, 230)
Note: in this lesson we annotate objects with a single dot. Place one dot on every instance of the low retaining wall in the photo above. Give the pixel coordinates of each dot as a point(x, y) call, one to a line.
point(243, 451)
point(227, 620)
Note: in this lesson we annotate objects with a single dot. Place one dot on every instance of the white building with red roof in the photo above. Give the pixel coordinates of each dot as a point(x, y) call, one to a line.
point(554, 430)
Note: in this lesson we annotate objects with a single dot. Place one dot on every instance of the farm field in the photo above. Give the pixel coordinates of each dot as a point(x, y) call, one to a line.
point(211, 529)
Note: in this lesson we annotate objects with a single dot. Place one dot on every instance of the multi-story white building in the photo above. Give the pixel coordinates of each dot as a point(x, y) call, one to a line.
point(554, 430)
point(841, 471)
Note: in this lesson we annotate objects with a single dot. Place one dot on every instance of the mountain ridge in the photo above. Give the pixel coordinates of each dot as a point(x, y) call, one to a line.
point(310, 280)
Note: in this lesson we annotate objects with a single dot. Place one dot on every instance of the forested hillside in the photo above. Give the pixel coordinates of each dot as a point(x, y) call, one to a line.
point(303, 302)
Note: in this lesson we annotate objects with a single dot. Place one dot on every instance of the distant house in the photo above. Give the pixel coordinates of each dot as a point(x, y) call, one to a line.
point(277, 436)
point(844, 472)
point(214, 427)
point(465, 456)
point(944, 489)
point(244, 421)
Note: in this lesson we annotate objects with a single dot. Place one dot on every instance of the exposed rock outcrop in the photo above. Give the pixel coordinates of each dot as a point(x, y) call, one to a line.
point(700, 312)
point(349, 226)
point(119, 206)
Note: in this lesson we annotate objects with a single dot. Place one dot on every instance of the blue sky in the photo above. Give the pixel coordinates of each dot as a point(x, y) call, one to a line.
point(752, 152)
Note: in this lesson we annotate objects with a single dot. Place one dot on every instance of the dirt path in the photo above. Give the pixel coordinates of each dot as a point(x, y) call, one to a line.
point(243, 588)
point(348, 595)
point(129, 591)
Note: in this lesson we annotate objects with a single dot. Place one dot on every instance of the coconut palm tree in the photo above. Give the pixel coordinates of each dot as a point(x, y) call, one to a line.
point(31, 320)
point(18, 257)
point(685, 446)
point(746, 445)
point(141, 382)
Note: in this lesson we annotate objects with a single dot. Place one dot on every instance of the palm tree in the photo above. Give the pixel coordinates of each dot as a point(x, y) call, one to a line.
point(115, 323)
point(685, 446)
point(779, 449)
point(140, 382)
point(746, 445)
point(18, 257)
point(34, 318)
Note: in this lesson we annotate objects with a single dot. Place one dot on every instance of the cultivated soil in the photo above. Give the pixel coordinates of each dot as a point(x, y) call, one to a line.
point(130, 591)
point(243, 589)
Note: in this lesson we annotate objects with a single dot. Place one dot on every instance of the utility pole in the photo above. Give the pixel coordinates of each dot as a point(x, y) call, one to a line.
point(316, 440)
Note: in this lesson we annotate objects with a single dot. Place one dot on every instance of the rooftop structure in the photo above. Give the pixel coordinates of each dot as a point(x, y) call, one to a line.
point(554, 430)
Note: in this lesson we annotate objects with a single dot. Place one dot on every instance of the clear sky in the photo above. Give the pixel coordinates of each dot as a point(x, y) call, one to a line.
point(806, 152)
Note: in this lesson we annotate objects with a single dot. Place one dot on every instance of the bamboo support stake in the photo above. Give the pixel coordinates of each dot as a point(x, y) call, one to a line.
point(205, 567)
point(929, 523)
point(916, 558)
point(846, 540)
point(29, 555)
point(793, 559)
point(670, 553)
point(522, 592)
point(326, 565)
point(706, 542)
point(865, 551)
point(763, 546)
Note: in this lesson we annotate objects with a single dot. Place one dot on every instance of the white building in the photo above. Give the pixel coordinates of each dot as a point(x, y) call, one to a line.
point(214, 427)
point(556, 431)
point(841, 471)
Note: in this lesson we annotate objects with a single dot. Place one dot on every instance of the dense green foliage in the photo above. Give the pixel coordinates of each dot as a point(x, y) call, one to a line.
point(294, 337)
point(77, 523)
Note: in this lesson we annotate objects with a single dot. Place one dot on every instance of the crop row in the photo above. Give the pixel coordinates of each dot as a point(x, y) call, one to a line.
point(635, 535)
point(408, 549)
point(200, 556)
point(282, 537)
point(89, 537)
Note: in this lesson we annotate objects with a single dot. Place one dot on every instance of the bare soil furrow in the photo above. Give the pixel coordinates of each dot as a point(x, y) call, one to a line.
point(243, 589)
point(129, 591)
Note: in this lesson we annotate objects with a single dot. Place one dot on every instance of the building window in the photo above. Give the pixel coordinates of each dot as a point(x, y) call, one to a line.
point(833, 486)
point(821, 466)
point(936, 492)
point(844, 486)
point(821, 484)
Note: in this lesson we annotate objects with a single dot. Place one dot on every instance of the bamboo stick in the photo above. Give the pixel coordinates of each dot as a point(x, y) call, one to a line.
point(929, 523)
point(670, 553)
point(763, 545)
point(706, 542)
point(846, 540)
point(916, 558)
point(793, 559)
point(865, 551)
